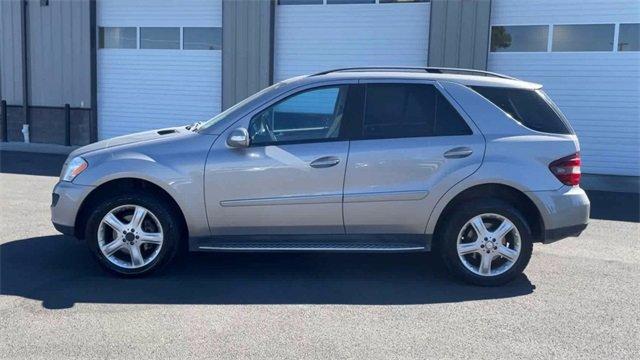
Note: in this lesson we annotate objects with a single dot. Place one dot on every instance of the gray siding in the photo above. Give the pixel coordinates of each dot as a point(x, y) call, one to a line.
point(459, 33)
point(59, 53)
point(247, 61)
point(11, 52)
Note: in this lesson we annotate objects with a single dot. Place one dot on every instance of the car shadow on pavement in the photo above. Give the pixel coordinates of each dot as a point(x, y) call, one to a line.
point(61, 272)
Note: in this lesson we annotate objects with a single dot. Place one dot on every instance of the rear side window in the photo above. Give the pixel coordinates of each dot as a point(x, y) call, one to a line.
point(528, 107)
point(409, 110)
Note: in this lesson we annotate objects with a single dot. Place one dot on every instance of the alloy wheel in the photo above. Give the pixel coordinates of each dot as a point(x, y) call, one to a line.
point(130, 236)
point(489, 244)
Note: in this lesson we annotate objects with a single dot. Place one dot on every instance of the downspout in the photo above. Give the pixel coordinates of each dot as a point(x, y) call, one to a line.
point(25, 70)
point(93, 124)
point(272, 40)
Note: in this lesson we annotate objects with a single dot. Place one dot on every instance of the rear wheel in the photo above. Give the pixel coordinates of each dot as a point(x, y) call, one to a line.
point(487, 243)
point(133, 234)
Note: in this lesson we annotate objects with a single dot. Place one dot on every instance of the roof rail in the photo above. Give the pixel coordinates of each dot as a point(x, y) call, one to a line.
point(431, 70)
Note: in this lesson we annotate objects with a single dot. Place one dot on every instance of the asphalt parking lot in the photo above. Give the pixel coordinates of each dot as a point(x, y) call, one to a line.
point(579, 298)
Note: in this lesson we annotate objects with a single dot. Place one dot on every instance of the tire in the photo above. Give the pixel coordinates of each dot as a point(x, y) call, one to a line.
point(160, 219)
point(472, 267)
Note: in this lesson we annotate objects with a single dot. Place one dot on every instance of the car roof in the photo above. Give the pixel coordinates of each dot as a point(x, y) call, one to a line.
point(467, 77)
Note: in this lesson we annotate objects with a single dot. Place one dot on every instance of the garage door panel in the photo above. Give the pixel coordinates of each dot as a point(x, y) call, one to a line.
point(143, 89)
point(312, 38)
point(597, 91)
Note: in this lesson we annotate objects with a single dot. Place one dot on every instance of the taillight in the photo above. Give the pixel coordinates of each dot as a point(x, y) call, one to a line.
point(567, 169)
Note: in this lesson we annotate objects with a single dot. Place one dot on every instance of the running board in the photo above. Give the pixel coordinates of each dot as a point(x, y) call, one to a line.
point(337, 243)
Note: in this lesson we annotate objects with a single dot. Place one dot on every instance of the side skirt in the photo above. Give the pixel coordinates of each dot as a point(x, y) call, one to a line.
point(325, 243)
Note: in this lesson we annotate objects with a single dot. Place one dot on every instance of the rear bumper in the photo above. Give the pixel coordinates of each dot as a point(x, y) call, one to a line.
point(554, 235)
point(565, 212)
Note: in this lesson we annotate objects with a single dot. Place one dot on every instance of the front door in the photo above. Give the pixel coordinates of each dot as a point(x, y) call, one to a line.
point(290, 179)
point(410, 147)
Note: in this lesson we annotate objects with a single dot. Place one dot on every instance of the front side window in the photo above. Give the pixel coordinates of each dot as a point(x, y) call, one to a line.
point(597, 37)
point(312, 115)
point(530, 108)
point(117, 37)
point(525, 38)
point(160, 38)
point(629, 37)
point(409, 110)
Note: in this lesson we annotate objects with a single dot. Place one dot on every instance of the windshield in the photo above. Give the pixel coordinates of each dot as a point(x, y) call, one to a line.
point(216, 119)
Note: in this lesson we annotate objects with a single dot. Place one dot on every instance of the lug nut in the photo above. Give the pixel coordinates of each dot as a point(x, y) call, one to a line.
point(485, 239)
point(495, 248)
point(482, 246)
point(137, 237)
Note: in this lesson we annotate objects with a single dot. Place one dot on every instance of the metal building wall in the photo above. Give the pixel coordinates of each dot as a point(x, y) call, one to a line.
point(459, 33)
point(247, 48)
point(58, 38)
point(59, 54)
point(11, 52)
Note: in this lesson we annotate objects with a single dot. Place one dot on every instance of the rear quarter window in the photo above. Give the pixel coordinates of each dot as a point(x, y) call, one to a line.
point(528, 107)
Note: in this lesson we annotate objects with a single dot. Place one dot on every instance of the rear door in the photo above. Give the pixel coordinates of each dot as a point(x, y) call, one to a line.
point(411, 145)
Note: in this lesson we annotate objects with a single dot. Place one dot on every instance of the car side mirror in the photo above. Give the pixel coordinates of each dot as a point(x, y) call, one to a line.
point(239, 138)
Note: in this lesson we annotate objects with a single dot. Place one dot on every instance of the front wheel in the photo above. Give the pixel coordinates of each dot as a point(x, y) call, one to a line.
point(487, 243)
point(133, 234)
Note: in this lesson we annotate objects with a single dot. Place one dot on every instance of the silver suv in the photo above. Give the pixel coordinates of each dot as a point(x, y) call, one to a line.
point(475, 165)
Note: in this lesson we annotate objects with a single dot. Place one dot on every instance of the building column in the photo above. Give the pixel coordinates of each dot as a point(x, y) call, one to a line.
point(247, 48)
point(459, 33)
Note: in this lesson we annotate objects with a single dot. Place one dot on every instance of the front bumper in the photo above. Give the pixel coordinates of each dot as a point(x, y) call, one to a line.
point(565, 212)
point(65, 203)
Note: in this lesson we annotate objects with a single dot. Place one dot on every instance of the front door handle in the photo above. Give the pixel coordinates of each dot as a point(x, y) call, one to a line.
point(325, 162)
point(458, 153)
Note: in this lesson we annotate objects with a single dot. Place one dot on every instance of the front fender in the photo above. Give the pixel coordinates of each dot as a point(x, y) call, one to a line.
point(177, 167)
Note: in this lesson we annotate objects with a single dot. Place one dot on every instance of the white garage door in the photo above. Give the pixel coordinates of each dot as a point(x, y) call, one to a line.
point(312, 38)
point(585, 53)
point(159, 63)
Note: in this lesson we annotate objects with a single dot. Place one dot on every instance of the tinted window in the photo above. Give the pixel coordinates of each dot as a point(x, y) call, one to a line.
point(202, 38)
point(118, 38)
point(528, 107)
point(629, 37)
point(597, 37)
point(519, 38)
point(299, 2)
point(332, 2)
point(409, 110)
point(160, 38)
point(401, 1)
point(307, 116)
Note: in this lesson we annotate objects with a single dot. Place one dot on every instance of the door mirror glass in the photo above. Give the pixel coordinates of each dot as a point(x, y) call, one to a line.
point(238, 138)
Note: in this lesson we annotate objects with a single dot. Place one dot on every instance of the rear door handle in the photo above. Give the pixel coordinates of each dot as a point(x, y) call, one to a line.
point(458, 153)
point(325, 162)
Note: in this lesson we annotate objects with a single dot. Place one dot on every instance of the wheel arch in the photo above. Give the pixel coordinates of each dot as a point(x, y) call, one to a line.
point(515, 197)
point(119, 186)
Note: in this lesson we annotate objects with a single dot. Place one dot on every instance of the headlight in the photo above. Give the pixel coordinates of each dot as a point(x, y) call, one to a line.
point(73, 169)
